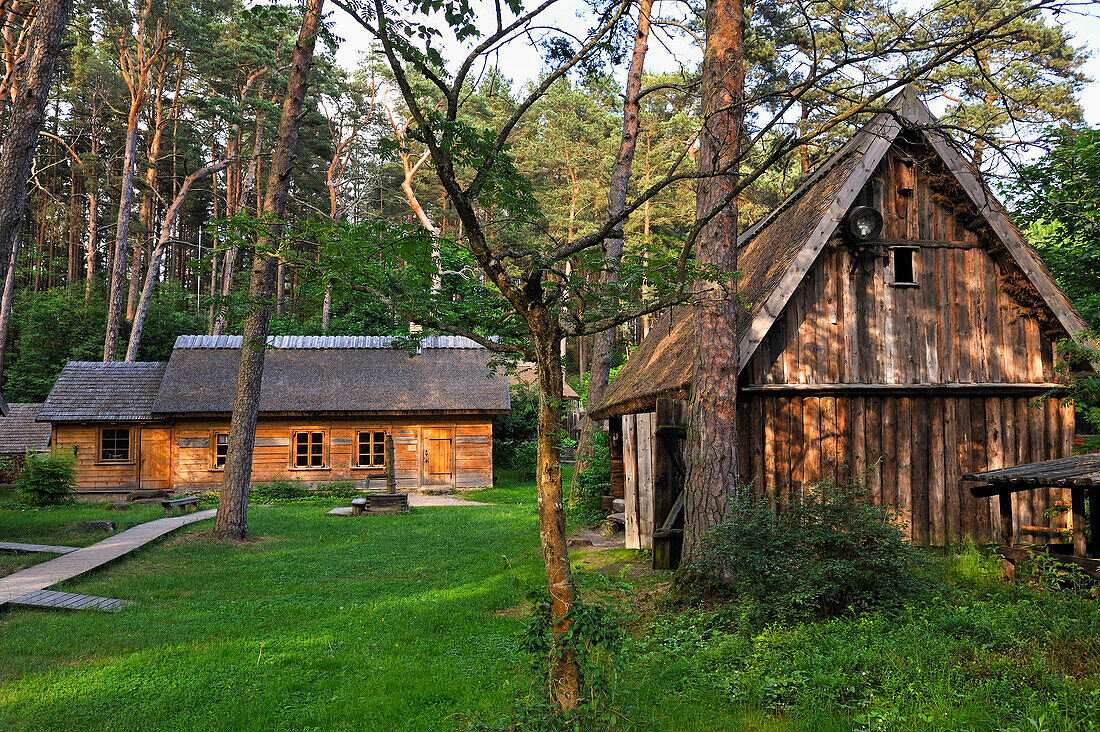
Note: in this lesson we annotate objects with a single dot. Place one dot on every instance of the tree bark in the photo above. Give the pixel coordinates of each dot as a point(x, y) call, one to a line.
point(28, 110)
point(613, 245)
point(565, 674)
point(142, 306)
point(5, 305)
point(122, 235)
point(712, 441)
point(231, 523)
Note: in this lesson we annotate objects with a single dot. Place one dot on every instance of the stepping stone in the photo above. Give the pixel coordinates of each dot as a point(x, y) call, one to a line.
point(14, 546)
point(69, 601)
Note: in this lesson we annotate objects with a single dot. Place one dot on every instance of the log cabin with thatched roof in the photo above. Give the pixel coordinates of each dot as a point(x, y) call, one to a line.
point(896, 330)
point(326, 406)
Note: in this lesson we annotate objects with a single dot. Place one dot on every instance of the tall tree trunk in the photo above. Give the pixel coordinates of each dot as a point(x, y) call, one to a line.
point(147, 213)
point(712, 439)
point(146, 297)
point(565, 674)
point(613, 245)
point(231, 523)
point(28, 110)
point(122, 236)
point(5, 307)
point(93, 233)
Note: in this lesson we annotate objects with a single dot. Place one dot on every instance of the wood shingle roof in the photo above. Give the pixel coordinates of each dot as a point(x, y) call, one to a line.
point(19, 432)
point(95, 391)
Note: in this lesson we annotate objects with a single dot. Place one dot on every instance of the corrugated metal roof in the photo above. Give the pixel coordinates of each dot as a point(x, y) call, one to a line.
point(321, 342)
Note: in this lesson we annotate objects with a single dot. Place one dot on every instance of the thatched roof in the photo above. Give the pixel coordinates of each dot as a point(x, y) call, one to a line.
point(776, 253)
point(526, 373)
point(19, 432)
point(94, 391)
point(317, 374)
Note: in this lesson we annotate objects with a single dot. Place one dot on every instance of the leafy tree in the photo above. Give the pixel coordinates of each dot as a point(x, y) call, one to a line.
point(1056, 201)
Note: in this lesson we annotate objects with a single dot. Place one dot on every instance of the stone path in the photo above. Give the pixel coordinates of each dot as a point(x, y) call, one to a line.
point(587, 538)
point(14, 546)
point(41, 576)
point(420, 499)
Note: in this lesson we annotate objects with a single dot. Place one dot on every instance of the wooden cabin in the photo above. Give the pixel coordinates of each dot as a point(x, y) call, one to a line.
point(326, 406)
point(903, 359)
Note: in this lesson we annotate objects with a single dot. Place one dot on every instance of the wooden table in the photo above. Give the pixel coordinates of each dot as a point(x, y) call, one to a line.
point(1079, 473)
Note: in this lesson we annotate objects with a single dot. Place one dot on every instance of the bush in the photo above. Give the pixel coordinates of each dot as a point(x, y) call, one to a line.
point(47, 480)
point(524, 458)
point(591, 485)
point(827, 554)
point(279, 490)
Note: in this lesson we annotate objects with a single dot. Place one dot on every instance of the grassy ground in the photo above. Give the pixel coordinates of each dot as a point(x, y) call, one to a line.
point(58, 525)
point(411, 622)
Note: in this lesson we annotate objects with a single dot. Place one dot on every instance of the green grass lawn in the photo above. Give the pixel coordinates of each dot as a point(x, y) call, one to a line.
point(411, 622)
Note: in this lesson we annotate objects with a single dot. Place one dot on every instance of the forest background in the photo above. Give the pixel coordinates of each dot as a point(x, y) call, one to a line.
point(204, 125)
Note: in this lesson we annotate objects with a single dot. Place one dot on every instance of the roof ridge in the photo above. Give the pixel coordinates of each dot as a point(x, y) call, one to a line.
point(326, 342)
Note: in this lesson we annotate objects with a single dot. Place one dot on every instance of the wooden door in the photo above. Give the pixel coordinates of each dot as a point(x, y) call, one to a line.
point(437, 466)
point(155, 459)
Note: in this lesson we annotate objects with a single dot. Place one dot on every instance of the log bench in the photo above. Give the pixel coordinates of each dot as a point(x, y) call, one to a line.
point(178, 505)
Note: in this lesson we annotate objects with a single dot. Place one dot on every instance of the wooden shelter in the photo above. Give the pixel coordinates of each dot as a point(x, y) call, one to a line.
point(326, 407)
point(904, 359)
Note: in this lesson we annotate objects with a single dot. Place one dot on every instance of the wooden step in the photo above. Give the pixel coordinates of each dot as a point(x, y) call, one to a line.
point(14, 546)
point(68, 601)
point(618, 518)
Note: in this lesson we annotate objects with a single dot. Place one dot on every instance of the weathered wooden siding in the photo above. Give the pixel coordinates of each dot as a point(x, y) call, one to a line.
point(921, 383)
point(192, 454)
point(639, 446)
point(910, 451)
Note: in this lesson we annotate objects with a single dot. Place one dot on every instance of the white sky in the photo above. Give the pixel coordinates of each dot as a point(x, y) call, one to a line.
point(520, 62)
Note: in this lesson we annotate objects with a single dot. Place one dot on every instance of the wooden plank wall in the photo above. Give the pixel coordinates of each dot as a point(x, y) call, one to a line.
point(846, 324)
point(639, 444)
point(192, 456)
point(965, 323)
point(909, 452)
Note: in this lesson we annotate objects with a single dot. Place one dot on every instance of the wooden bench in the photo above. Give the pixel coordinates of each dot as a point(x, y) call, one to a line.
point(178, 505)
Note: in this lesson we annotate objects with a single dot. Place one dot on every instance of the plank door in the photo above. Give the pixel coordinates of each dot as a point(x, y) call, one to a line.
point(155, 459)
point(437, 467)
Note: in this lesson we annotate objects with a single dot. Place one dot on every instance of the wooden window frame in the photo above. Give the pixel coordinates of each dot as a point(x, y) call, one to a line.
point(894, 282)
point(324, 448)
point(129, 460)
point(355, 465)
point(214, 449)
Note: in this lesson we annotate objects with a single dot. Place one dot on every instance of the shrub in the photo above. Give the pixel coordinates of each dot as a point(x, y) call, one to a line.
point(279, 490)
point(593, 483)
point(338, 489)
point(47, 479)
point(829, 553)
point(524, 458)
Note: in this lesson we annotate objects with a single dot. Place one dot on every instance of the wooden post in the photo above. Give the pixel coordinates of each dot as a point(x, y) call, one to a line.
point(391, 471)
point(1004, 500)
point(1077, 521)
point(1094, 522)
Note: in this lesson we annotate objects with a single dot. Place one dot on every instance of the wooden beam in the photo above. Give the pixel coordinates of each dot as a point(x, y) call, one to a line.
point(952, 387)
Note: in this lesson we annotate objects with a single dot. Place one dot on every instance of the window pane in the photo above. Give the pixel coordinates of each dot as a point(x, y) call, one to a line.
point(114, 444)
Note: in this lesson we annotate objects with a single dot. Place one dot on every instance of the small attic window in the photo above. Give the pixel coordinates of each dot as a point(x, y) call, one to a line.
point(903, 262)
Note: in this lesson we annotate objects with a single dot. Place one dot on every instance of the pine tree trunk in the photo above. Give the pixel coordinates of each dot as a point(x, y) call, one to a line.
point(712, 439)
point(613, 245)
point(5, 307)
point(231, 523)
point(89, 255)
point(122, 236)
point(27, 112)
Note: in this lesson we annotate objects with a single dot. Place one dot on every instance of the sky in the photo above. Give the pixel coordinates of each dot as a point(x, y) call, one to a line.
point(520, 62)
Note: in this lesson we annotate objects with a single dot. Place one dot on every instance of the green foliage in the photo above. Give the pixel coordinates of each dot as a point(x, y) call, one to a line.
point(595, 637)
point(47, 480)
point(830, 553)
point(522, 457)
point(522, 423)
point(595, 482)
point(1056, 201)
point(292, 491)
point(1078, 381)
